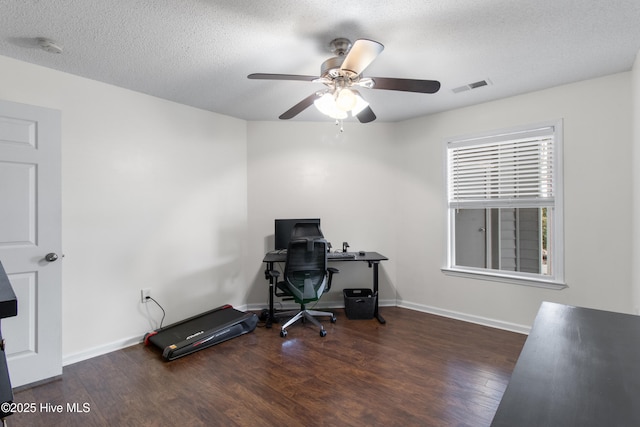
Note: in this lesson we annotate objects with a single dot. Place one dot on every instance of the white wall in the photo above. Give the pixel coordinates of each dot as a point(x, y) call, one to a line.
point(635, 158)
point(598, 207)
point(312, 170)
point(153, 195)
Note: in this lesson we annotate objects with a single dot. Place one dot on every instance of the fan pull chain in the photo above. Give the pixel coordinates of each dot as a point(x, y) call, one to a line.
point(340, 123)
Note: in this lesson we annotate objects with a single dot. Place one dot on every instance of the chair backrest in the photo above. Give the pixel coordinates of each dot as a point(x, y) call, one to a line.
point(306, 230)
point(305, 272)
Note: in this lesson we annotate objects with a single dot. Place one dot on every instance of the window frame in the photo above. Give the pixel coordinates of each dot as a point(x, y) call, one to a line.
point(556, 280)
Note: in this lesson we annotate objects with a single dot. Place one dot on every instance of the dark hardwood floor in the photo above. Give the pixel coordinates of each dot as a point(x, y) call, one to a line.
point(417, 369)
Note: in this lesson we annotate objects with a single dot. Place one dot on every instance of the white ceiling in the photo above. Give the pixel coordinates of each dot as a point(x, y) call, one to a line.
point(199, 52)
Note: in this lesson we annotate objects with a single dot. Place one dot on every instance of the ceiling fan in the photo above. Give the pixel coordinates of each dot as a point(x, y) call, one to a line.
point(341, 75)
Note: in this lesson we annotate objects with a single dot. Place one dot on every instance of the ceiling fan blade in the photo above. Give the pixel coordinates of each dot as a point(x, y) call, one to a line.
point(266, 76)
point(299, 107)
point(366, 115)
point(361, 55)
point(406, 85)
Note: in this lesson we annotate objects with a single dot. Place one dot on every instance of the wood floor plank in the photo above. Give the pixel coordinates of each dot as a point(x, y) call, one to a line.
point(417, 369)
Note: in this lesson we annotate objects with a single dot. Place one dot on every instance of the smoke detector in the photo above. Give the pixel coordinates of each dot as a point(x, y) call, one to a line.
point(49, 45)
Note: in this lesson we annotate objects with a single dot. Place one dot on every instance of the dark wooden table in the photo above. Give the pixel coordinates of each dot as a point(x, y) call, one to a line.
point(578, 367)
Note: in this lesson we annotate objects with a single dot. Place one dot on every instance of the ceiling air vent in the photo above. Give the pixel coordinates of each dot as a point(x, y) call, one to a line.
point(470, 86)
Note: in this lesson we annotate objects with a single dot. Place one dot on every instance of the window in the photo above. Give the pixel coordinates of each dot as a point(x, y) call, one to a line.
point(504, 205)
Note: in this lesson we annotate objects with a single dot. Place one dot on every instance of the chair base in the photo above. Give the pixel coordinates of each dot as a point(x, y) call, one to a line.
point(303, 315)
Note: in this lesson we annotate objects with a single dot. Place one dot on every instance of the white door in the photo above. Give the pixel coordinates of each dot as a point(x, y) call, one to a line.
point(30, 229)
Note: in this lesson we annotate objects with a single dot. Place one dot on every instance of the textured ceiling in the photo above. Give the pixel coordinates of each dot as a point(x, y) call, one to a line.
point(199, 52)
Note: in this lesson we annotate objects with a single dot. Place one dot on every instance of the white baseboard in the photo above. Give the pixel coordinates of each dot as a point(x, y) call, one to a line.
point(485, 321)
point(70, 359)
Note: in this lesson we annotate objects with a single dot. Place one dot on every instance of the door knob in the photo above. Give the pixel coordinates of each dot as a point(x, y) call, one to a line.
point(51, 256)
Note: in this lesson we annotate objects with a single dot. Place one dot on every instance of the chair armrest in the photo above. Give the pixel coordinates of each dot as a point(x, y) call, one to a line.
point(274, 273)
point(331, 271)
point(270, 274)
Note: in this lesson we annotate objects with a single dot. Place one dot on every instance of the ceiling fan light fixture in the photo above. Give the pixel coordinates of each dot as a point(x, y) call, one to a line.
point(326, 104)
point(346, 99)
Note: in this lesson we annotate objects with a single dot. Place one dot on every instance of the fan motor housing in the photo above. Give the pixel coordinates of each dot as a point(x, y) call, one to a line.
point(331, 69)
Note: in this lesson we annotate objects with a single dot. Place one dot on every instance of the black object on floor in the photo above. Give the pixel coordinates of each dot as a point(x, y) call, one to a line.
point(201, 331)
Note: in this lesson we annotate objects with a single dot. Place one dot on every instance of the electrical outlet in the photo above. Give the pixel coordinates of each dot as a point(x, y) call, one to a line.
point(145, 294)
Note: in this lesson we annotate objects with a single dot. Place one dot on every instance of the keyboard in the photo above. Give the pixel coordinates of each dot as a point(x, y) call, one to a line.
point(341, 255)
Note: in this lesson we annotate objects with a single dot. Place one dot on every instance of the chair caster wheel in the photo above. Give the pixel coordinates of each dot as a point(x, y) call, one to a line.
point(283, 333)
point(334, 319)
point(323, 333)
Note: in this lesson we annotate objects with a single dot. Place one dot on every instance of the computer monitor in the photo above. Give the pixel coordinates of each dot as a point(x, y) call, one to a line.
point(283, 228)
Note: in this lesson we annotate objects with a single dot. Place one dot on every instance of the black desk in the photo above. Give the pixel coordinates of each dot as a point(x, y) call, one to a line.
point(372, 258)
point(578, 367)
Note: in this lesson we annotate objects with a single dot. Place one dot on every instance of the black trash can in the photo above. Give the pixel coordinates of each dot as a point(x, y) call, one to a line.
point(359, 303)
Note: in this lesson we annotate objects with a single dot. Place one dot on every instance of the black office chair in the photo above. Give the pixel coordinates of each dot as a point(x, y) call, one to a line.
point(306, 230)
point(306, 275)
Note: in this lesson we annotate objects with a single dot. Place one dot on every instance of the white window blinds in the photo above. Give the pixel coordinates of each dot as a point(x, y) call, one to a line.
point(513, 169)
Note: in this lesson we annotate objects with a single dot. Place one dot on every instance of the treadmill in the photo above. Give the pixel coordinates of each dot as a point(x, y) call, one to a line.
point(201, 331)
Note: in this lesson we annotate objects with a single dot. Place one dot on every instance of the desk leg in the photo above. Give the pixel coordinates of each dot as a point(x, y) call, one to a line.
point(270, 316)
point(376, 314)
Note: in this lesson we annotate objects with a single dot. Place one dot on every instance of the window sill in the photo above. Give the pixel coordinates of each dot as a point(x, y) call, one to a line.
point(505, 278)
